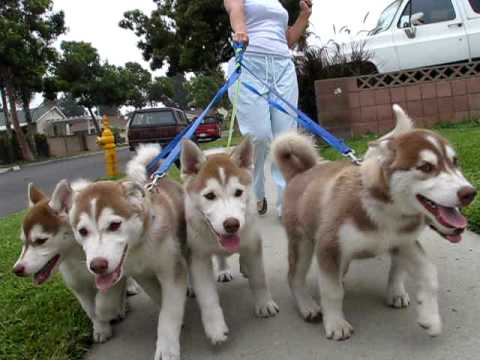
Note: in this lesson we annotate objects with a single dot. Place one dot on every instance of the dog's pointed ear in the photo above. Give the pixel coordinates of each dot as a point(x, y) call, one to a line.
point(242, 155)
point(62, 197)
point(34, 195)
point(191, 159)
point(133, 191)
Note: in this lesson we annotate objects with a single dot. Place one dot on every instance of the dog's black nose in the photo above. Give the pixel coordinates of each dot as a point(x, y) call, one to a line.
point(19, 270)
point(99, 265)
point(466, 195)
point(231, 225)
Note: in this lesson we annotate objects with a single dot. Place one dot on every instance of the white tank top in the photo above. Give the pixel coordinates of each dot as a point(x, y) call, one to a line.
point(267, 24)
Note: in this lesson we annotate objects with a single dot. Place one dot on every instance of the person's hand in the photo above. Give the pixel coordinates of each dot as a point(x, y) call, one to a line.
point(306, 8)
point(241, 37)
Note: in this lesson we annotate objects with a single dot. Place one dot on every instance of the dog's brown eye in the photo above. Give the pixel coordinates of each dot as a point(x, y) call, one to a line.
point(238, 193)
point(40, 241)
point(210, 196)
point(114, 226)
point(426, 168)
point(83, 232)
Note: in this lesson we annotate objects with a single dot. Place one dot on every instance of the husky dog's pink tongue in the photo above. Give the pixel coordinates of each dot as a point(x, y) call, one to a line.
point(230, 242)
point(105, 282)
point(451, 217)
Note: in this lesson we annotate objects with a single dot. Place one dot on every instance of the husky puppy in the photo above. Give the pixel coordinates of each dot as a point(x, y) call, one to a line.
point(49, 244)
point(221, 220)
point(127, 232)
point(340, 212)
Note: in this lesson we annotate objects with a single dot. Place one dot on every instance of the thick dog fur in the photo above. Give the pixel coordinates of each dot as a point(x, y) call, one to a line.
point(219, 204)
point(49, 244)
point(127, 232)
point(341, 212)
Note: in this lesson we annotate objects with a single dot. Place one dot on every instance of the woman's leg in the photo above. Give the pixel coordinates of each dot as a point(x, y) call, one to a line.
point(253, 116)
point(286, 84)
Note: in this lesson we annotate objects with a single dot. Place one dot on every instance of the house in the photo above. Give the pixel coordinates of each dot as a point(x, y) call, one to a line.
point(83, 125)
point(43, 116)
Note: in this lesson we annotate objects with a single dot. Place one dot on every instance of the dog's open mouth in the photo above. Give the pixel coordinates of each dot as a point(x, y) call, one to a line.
point(105, 282)
point(449, 217)
point(230, 243)
point(45, 272)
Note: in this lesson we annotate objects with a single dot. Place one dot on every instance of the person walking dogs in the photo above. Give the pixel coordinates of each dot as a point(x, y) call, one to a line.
point(262, 26)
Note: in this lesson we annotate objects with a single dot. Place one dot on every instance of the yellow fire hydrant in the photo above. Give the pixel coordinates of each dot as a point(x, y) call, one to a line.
point(107, 141)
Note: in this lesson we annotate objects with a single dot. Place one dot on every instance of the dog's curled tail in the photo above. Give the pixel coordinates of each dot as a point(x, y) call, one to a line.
point(137, 167)
point(294, 153)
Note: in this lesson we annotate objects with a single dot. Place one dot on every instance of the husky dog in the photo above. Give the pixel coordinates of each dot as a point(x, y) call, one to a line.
point(127, 232)
point(48, 244)
point(221, 220)
point(339, 211)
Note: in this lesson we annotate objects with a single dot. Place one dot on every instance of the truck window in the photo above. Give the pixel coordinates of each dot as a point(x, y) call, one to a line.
point(153, 118)
point(475, 5)
point(386, 18)
point(427, 12)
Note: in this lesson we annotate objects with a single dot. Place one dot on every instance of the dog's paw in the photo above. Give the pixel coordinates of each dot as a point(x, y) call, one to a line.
point(267, 309)
point(224, 276)
point(217, 332)
point(431, 324)
point(398, 300)
point(167, 352)
point(338, 329)
point(132, 287)
point(102, 332)
point(190, 292)
point(310, 310)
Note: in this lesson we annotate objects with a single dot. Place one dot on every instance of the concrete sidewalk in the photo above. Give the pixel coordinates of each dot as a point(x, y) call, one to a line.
point(381, 333)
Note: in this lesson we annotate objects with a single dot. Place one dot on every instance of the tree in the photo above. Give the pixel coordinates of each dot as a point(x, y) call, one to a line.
point(203, 87)
point(28, 28)
point(162, 90)
point(77, 73)
point(188, 35)
point(69, 106)
point(8, 129)
point(138, 81)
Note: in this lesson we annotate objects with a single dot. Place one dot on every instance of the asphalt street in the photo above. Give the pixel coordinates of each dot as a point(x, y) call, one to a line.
point(13, 185)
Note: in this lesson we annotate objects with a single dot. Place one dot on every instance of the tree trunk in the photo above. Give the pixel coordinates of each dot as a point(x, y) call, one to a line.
point(94, 119)
point(9, 145)
point(22, 141)
point(31, 126)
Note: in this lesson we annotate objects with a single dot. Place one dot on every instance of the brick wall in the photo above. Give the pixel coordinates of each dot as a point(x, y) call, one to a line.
point(66, 145)
point(348, 107)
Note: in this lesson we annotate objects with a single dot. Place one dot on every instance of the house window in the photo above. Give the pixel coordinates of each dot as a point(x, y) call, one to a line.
point(428, 12)
point(475, 5)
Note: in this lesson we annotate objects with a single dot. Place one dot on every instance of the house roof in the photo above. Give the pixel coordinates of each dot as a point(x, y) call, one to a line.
point(37, 113)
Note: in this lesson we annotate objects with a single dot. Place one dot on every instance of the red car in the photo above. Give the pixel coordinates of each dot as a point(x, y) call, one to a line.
point(210, 129)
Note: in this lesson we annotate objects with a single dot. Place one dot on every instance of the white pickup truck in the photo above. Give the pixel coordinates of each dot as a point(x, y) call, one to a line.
point(419, 33)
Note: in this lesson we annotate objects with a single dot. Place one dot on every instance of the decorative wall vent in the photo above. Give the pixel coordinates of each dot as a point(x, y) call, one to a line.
point(412, 77)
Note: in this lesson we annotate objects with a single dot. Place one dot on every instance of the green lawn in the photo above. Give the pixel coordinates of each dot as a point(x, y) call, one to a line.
point(47, 322)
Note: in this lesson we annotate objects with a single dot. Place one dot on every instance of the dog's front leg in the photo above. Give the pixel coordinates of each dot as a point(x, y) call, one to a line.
point(397, 296)
point(174, 292)
point(224, 272)
point(207, 296)
point(331, 294)
point(424, 273)
point(253, 258)
point(102, 330)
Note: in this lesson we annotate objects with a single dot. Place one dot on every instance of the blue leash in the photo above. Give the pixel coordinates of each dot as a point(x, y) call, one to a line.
point(171, 152)
point(304, 120)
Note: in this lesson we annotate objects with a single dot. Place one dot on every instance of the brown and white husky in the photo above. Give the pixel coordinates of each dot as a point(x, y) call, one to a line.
point(340, 212)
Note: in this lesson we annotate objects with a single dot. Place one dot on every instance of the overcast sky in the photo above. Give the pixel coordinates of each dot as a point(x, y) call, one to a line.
point(96, 21)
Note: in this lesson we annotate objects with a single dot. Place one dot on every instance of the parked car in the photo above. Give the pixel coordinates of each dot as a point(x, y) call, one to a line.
point(420, 33)
point(210, 129)
point(158, 125)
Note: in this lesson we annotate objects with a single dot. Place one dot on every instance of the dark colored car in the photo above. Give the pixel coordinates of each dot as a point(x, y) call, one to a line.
point(159, 125)
point(210, 129)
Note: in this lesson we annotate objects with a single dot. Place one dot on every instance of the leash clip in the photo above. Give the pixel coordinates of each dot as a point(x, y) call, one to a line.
point(353, 158)
point(154, 183)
